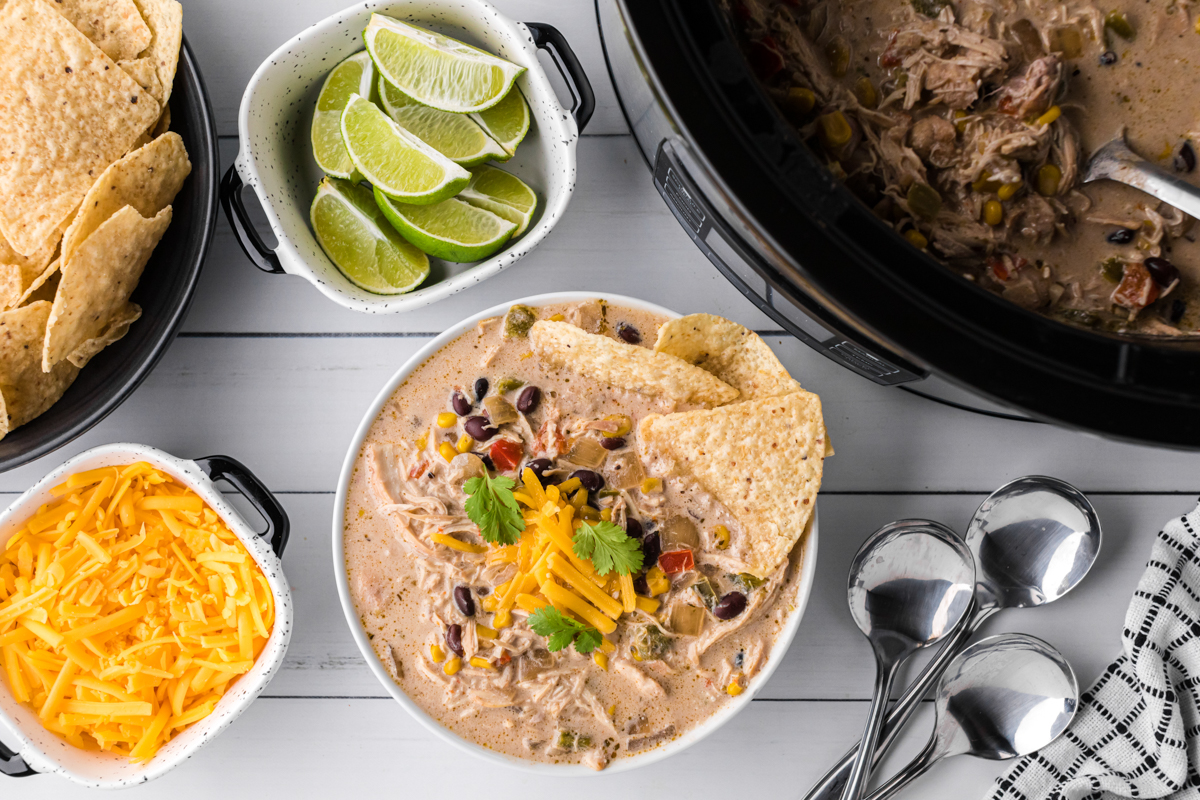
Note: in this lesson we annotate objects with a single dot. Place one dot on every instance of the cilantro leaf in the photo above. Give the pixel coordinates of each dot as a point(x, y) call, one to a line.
point(493, 508)
point(561, 631)
point(609, 548)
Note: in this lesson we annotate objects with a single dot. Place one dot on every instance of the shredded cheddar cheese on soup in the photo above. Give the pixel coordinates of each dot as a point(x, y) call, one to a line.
point(127, 609)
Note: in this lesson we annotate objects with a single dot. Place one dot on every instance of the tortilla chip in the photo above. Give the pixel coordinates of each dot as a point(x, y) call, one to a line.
point(115, 26)
point(626, 366)
point(115, 331)
point(18, 272)
point(66, 113)
point(735, 354)
point(761, 459)
point(46, 287)
point(144, 71)
point(98, 280)
point(165, 20)
point(147, 179)
point(26, 391)
point(164, 123)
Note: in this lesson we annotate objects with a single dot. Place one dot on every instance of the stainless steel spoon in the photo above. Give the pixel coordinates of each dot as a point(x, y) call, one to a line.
point(1033, 539)
point(1003, 697)
point(910, 586)
point(1114, 161)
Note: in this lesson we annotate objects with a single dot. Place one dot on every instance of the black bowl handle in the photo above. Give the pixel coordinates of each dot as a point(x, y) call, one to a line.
point(225, 468)
point(252, 244)
point(548, 38)
point(12, 765)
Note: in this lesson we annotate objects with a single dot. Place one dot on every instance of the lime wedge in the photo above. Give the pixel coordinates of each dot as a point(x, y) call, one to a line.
point(354, 75)
point(453, 135)
point(503, 194)
point(507, 122)
point(394, 160)
point(358, 239)
point(451, 230)
point(436, 70)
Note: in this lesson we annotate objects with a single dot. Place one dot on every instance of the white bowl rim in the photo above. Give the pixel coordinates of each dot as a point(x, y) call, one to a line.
point(622, 764)
point(564, 136)
point(189, 473)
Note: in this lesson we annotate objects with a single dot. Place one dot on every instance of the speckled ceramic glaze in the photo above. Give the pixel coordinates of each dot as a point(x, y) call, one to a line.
point(651, 756)
point(276, 158)
point(45, 752)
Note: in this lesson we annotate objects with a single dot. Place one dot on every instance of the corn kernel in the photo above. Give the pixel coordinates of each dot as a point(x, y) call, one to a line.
point(916, 238)
point(1049, 177)
point(864, 90)
point(656, 581)
point(484, 632)
point(437, 653)
point(452, 666)
point(984, 183)
point(960, 120)
point(993, 212)
point(612, 709)
point(464, 444)
point(651, 485)
point(721, 536)
point(482, 663)
point(800, 100)
point(447, 450)
point(1052, 113)
point(447, 419)
point(491, 602)
point(734, 689)
point(557, 318)
point(422, 440)
point(1009, 190)
point(606, 514)
point(835, 129)
point(600, 659)
point(502, 619)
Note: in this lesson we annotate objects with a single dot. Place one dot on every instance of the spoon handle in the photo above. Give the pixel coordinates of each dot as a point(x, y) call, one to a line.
point(915, 769)
point(902, 710)
point(860, 770)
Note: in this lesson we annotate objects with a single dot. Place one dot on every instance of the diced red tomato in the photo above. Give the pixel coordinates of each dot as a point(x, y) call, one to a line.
point(418, 470)
point(1137, 288)
point(1004, 267)
point(765, 58)
point(676, 561)
point(506, 455)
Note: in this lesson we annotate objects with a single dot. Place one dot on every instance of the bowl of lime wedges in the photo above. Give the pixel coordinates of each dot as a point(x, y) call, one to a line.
point(406, 151)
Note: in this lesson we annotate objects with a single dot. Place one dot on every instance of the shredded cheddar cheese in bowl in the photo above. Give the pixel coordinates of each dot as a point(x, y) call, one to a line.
point(127, 610)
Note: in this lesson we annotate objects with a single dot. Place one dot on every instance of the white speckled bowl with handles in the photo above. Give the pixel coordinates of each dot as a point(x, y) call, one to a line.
point(275, 153)
point(39, 750)
point(732, 707)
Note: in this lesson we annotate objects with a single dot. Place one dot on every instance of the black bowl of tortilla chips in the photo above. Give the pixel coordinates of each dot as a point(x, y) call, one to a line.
point(163, 293)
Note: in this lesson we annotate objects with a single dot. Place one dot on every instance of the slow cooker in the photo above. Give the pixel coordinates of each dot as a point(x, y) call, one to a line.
point(813, 258)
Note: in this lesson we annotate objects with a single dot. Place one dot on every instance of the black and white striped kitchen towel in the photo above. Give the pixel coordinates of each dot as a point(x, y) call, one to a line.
point(1137, 733)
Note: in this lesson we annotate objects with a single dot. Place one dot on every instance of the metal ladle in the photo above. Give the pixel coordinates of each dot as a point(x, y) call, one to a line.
point(1003, 697)
point(1114, 161)
point(1034, 540)
point(910, 585)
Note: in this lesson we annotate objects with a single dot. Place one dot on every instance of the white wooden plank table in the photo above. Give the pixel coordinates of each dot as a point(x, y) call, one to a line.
point(270, 372)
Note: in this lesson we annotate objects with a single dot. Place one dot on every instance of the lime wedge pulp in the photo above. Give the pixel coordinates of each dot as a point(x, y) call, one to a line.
point(359, 241)
point(436, 70)
point(354, 75)
point(395, 161)
point(453, 135)
point(451, 230)
point(507, 122)
point(503, 194)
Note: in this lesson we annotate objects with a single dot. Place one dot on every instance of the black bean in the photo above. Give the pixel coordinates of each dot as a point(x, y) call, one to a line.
point(592, 481)
point(629, 333)
point(1108, 57)
point(633, 528)
point(651, 549)
point(1164, 272)
point(1121, 236)
point(640, 586)
point(454, 639)
point(528, 399)
point(479, 429)
point(1185, 159)
point(730, 606)
point(612, 442)
point(539, 466)
point(464, 601)
point(1177, 309)
point(483, 591)
point(460, 404)
point(487, 461)
point(481, 387)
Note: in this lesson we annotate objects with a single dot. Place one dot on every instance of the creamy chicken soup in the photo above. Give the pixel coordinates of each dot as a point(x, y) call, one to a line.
point(440, 604)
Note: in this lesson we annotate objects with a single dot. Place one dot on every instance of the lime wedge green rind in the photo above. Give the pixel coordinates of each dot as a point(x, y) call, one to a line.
point(356, 236)
point(503, 194)
point(455, 136)
point(436, 70)
point(354, 75)
point(507, 122)
point(395, 161)
point(451, 230)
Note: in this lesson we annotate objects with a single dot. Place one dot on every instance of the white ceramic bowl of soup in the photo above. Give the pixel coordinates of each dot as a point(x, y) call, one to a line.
point(45, 752)
point(650, 756)
point(275, 152)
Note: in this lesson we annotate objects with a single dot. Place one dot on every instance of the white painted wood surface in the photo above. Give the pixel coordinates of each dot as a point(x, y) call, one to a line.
point(271, 373)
